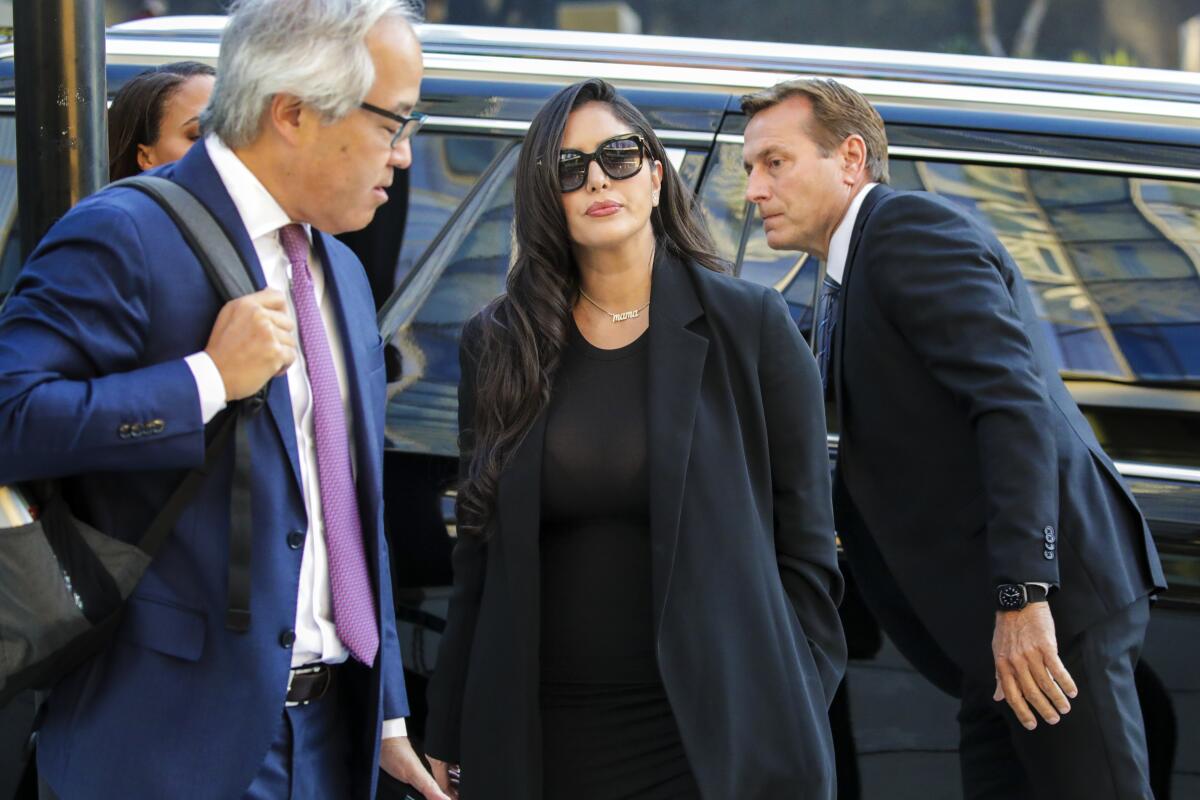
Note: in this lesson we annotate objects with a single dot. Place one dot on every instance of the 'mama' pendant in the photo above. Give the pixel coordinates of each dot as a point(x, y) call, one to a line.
point(624, 315)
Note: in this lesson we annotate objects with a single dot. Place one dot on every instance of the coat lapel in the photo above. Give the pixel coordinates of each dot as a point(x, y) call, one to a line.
point(519, 510)
point(677, 357)
point(195, 172)
point(864, 211)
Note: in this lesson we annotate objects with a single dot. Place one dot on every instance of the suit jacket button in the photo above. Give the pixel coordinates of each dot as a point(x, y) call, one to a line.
point(295, 540)
point(287, 639)
point(1048, 555)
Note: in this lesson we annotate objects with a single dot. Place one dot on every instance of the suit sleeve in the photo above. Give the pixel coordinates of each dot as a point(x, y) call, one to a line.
point(448, 684)
point(800, 475)
point(72, 371)
point(939, 282)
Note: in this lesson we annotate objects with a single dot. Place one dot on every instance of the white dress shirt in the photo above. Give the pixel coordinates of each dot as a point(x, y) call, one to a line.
point(316, 636)
point(839, 245)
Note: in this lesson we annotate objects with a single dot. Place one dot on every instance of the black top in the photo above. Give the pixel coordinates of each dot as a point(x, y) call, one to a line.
point(597, 619)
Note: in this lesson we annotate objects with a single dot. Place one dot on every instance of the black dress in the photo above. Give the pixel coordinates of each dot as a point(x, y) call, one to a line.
point(607, 727)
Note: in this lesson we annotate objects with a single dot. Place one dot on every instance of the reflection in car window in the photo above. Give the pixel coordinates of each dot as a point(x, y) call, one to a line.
point(1112, 261)
point(444, 168)
point(10, 250)
point(723, 199)
point(423, 404)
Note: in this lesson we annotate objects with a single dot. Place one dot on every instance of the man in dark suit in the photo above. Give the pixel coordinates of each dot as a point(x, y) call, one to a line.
point(988, 530)
point(115, 352)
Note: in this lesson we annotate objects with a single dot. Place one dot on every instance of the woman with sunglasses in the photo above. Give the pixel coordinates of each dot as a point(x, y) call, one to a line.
point(646, 584)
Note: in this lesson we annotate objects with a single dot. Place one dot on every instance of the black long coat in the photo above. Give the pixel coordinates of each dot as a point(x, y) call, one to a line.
point(744, 568)
point(964, 462)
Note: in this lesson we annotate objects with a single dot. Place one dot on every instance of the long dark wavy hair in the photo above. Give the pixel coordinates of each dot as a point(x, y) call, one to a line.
point(523, 332)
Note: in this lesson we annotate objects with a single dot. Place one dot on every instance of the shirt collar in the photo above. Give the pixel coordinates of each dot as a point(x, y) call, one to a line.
point(839, 245)
point(260, 212)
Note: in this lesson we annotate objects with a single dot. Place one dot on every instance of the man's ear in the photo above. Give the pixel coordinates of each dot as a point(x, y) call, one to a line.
point(286, 114)
point(853, 154)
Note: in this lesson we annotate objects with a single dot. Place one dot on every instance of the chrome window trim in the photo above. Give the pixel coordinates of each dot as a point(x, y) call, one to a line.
point(668, 136)
point(1018, 160)
point(742, 80)
point(725, 78)
point(1129, 469)
point(652, 50)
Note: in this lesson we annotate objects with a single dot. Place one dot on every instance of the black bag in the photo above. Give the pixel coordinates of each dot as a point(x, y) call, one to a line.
point(63, 583)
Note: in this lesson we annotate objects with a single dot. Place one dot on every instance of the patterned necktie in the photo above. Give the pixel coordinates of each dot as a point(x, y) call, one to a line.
point(354, 614)
point(826, 319)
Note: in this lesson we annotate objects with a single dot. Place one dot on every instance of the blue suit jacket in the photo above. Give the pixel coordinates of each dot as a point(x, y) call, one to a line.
point(93, 338)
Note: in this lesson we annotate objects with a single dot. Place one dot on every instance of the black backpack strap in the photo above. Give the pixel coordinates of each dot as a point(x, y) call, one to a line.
point(230, 274)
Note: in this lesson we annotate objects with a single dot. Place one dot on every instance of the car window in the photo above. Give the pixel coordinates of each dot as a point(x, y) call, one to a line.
point(462, 272)
point(1112, 261)
point(444, 168)
point(10, 246)
point(723, 200)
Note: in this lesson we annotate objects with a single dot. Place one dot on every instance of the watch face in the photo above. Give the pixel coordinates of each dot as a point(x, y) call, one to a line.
point(1010, 596)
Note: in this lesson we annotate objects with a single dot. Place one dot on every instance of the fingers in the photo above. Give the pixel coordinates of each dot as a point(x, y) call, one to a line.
point(441, 774)
point(1060, 675)
point(1025, 670)
point(424, 783)
point(1049, 688)
point(1016, 700)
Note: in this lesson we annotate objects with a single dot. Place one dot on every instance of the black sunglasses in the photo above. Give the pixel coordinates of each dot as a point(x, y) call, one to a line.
point(619, 157)
point(408, 125)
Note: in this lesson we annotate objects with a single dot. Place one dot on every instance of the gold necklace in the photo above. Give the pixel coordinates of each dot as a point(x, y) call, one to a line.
point(623, 315)
point(619, 317)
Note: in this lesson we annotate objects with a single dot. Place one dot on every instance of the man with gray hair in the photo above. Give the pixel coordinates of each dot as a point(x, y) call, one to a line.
point(116, 353)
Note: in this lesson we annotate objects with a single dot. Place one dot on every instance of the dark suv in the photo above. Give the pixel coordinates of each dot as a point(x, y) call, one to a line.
point(1089, 175)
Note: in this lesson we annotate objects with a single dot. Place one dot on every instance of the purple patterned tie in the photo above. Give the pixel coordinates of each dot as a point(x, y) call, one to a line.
point(350, 582)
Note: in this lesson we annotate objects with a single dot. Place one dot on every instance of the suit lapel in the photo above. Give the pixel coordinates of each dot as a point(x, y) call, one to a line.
point(677, 357)
point(864, 211)
point(195, 172)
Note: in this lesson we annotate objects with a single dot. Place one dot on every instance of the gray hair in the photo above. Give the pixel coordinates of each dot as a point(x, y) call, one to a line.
point(313, 49)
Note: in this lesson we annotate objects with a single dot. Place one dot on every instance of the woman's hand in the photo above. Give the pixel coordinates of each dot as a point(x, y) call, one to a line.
point(441, 773)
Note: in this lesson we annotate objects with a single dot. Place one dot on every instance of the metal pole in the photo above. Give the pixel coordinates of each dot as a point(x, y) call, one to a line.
point(62, 134)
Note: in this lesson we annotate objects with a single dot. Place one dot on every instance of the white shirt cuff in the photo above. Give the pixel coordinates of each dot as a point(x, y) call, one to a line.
point(394, 727)
point(208, 383)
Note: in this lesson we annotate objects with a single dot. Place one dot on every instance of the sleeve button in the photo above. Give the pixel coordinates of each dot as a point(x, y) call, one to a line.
point(1048, 555)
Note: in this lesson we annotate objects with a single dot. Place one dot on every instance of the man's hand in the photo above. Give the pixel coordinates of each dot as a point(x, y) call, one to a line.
point(398, 759)
point(1028, 669)
point(252, 341)
point(441, 773)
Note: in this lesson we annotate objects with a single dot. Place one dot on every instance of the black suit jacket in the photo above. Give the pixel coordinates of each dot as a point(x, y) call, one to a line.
point(961, 449)
point(745, 576)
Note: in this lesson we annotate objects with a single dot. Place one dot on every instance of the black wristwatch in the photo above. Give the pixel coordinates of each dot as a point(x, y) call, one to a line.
point(1015, 596)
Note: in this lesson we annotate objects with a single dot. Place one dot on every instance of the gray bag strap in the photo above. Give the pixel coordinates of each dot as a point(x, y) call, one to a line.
point(208, 240)
point(230, 274)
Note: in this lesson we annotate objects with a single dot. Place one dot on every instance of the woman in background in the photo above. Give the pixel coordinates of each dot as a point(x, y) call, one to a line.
point(155, 117)
point(645, 579)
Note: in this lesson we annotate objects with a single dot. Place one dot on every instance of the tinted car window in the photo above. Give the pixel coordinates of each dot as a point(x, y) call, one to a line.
point(445, 166)
point(463, 271)
point(10, 249)
point(723, 199)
